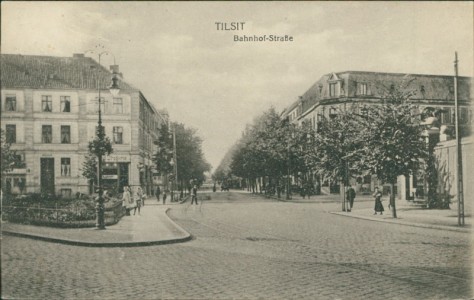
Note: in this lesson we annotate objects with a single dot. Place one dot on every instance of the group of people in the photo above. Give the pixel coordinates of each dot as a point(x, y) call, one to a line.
point(193, 192)
point(350, 196)
point(133, 199)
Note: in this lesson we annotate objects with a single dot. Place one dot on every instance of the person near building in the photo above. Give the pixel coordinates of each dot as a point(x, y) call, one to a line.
point(350, 195)
point(378, 201)
point(127, 201)
point(138, 196)
point(194, 195)
point(157, 193)
point(165, 195)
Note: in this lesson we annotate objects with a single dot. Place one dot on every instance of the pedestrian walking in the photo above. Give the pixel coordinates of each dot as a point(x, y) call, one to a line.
point(138, 195)
point(127, 201)
point(194, 195)
point(157, 193)
point(378, 201)
point(165, 194)
point(350, 196)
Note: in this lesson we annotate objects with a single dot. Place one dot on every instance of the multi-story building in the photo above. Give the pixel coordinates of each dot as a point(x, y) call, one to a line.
point(49, 111)
point(354, 90)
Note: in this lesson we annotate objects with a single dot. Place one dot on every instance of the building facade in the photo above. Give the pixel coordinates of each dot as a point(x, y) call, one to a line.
point(355, 90)
point(49, 111)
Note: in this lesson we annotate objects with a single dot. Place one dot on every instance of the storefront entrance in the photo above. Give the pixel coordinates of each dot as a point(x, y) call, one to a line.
point(115, 177)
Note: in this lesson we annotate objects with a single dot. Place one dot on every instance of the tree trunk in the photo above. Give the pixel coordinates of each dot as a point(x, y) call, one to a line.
point(392, 199)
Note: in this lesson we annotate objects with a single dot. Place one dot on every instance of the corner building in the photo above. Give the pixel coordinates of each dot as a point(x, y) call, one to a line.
point(354, 90)
point(49, 111)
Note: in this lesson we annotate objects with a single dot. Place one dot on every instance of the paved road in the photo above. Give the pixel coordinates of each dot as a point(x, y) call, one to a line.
point(249, 247)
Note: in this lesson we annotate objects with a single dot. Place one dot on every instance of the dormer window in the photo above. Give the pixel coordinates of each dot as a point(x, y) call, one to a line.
point(363, 89)
point(332, 90)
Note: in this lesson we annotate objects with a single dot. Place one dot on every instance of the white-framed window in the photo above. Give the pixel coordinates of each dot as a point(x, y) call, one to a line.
point(65, 166)
point(65, 134)
point(65, 103)
point(47, 134)
point(118, 106)
point(10, 103)
point(46, 103)
point(10, 136)
point(118, 134)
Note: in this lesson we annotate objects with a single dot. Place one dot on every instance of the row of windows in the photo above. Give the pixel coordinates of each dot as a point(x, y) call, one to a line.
point(47, 134)
point(65, 104)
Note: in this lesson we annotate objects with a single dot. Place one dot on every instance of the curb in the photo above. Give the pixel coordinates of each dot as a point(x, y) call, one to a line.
point(438, 227)
point(186, 238)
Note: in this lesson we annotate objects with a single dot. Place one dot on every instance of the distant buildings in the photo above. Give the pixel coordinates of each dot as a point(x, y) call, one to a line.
point(354, 90)
point(49, 111)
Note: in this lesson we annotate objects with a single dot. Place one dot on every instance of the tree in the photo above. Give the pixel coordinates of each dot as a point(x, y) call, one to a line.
point(89, 168)
point(98, 147)
point(393, 140)
point(192, 165)
point(164, 154)
point(8, 158)
point(336, 148)
point(270, 149)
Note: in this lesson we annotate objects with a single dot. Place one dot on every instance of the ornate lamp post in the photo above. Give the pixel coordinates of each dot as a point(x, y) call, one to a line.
point(99, 144)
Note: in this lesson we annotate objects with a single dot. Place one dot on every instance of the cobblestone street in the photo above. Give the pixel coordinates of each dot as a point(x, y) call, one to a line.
point(250, 247)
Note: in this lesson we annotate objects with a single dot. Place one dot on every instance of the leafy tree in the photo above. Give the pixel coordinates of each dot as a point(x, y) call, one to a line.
point(164, 155)
point(89, 168)
point(98, 147)
point(336, 148)
point(192, 165)
point(270, 148)
point(8, 156)
point(393, 140)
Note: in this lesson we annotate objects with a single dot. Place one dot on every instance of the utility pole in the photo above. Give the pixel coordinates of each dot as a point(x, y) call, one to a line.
point(175, 160)
point(459, 181)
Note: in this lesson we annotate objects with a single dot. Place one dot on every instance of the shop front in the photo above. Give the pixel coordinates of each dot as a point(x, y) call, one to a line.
point(115, 173)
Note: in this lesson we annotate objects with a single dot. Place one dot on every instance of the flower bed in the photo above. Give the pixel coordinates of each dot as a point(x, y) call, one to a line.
point(57, 212)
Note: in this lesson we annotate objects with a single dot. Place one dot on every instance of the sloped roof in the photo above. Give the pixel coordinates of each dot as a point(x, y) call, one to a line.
point(426, 87)
point(49, 72)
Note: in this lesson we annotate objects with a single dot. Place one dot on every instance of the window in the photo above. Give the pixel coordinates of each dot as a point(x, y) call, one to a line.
point(19, 161)
point(47, 134)
point(118, 106)
point(102, 105)
point(446, 115)
point(65, 166)
point(65, 104)
point(10, 134)
point(10, 103)
point(332, 89)
point(46, 103)
point(363, 89)
point(66, 193)
point(65, 134)
point(118, 135)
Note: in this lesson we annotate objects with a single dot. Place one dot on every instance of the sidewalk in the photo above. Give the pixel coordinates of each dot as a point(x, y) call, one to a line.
point(444, 219)
point(409, 215)
point(151, 227)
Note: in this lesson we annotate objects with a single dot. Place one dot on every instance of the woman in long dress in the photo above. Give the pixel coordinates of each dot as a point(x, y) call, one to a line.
point(378, 202)
point(127, 200)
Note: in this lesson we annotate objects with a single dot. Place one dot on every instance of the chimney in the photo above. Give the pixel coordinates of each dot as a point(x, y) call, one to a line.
point(115, 70)
point(78, 55)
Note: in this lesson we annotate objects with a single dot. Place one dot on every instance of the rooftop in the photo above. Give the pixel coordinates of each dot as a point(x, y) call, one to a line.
point(49, 72)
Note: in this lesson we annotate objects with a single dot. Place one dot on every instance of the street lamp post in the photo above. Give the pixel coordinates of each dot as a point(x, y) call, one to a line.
point(114, 90)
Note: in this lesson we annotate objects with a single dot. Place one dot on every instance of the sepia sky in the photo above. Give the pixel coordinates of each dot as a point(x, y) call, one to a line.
point(174, 54)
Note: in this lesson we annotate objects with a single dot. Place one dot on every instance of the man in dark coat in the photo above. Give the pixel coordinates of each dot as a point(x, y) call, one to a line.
point(350, 196)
